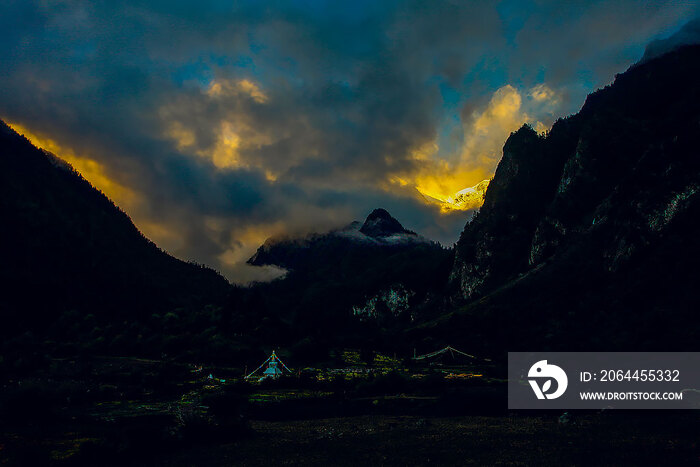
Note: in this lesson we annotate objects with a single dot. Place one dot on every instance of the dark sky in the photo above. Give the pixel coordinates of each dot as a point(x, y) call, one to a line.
point(216, 124)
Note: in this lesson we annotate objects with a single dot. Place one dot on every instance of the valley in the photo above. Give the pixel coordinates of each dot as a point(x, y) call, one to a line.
point(115, 352)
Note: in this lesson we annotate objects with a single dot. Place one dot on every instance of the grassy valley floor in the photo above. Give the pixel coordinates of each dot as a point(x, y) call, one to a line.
point(128, 411)
point(592, 439)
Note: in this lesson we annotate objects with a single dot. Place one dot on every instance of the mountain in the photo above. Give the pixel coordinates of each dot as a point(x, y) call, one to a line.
point(471, 197)
point(379, 223)
point(348, 286)
point(588, 236)
point(66, 247)
point(586, 240)
point(468, 198)
point(688, 35)
point(379, 230)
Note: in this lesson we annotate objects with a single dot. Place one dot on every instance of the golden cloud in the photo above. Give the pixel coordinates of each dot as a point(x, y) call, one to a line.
point(441, 178)
point(92, 170)
point(98, 175)
point(228, 88)
point(183, 137)
point(234, 133)
point(231, 261)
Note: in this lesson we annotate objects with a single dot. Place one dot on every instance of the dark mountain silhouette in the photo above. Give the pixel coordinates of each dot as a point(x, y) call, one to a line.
point(589, 234)
point(66, 246)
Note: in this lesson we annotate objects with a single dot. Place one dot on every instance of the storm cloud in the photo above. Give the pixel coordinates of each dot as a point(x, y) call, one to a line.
point(216, 124)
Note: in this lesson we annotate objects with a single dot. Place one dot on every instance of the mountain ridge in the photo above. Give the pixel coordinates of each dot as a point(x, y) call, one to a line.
point(69, 241)
point(617, 192)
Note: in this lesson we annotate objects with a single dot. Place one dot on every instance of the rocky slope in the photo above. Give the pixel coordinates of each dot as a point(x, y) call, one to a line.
point(612, 224)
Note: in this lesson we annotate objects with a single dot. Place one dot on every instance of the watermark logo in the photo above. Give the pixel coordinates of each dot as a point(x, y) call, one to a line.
point(542, 371)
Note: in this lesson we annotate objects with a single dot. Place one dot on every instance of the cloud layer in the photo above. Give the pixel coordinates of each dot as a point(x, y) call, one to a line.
point(216, 124)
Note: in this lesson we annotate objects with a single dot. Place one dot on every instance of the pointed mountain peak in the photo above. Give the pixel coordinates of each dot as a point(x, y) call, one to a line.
point(380, 213)
point(381, 224)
